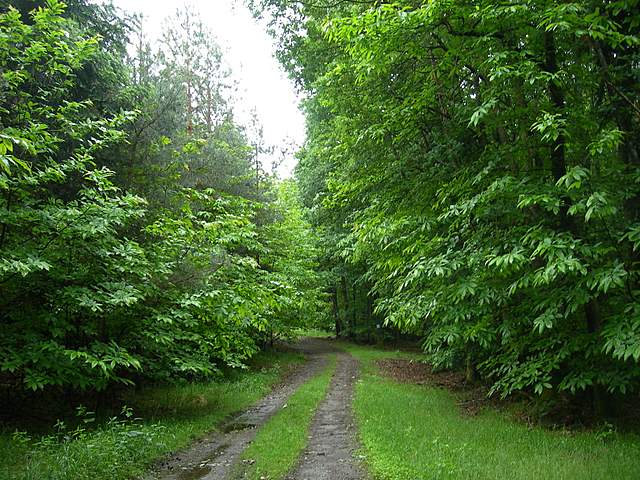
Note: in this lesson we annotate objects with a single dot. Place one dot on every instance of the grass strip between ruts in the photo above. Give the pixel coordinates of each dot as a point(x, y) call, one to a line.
point(279, 442)
point(417, 432)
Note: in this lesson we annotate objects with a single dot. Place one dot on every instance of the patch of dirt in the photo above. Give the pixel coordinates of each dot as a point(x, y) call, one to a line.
point(409, 371)
point(212, 457)
point(471, 399)
point(332, 437)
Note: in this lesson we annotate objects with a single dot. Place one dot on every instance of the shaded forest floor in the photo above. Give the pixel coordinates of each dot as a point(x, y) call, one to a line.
point(348, 412)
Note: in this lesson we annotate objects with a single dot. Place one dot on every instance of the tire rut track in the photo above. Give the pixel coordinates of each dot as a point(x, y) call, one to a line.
point(332, 438)
point(212, 457)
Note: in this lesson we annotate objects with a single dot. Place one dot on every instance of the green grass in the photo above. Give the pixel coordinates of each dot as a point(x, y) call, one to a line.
point(313, 332)
point(415, 432)
point(171, 418)
point(282, 439)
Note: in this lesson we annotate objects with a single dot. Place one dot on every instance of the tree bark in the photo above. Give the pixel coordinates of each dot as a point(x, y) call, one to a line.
point(558, 161)
point(559, 168)
point(345, 296)
point(336, 312)
point(354, 319)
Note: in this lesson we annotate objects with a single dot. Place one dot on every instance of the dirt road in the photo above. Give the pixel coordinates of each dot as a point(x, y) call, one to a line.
point(329, 454)
point(332, 439)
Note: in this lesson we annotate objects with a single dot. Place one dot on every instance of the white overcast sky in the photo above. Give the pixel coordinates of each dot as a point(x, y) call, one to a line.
point(249, 51)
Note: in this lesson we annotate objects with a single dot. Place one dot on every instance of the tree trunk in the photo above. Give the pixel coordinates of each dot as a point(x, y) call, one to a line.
point(374, 331)
point(559, 169)
point(209, 109)
point(336, 312)
point(345, 296)
point(257, 165)
point(594, 323)
point(189, 106)
point(470, 369)
point(354, 319)
point(558, 162)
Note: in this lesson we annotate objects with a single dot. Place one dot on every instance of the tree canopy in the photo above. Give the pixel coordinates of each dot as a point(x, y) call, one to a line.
point(476, 164)
point(470, 177)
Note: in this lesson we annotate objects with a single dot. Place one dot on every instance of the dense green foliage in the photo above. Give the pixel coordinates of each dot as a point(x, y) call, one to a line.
point(137, 236)
point(471, 174)
point(476, 164)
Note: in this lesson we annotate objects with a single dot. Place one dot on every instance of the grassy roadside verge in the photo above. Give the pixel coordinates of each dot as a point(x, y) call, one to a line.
point(122, 448)
point(282, 439)
point(412, 432)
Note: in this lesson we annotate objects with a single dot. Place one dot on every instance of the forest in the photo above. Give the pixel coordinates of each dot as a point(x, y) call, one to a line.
point(469, 188)
point(473, 169)
point(140, 236)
